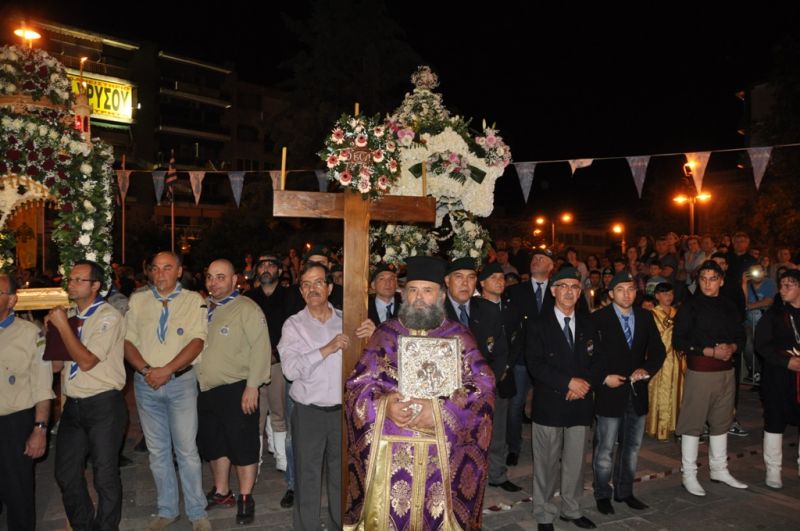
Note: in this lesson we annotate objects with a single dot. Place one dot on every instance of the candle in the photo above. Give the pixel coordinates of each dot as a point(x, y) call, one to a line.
point(283, 168)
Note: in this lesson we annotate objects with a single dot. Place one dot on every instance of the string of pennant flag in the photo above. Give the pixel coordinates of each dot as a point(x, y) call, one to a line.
point(697, 160)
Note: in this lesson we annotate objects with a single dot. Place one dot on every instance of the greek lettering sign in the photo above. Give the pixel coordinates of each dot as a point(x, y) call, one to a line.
point(109, 100)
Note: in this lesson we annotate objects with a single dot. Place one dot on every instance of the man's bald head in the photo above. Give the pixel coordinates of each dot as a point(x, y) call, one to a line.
point(220, 279)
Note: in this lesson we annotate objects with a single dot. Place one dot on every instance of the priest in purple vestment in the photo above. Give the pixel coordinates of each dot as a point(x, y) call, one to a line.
point(417, 463)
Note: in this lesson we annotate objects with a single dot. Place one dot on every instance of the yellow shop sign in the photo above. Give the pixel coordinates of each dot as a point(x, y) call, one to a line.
point(109, 100)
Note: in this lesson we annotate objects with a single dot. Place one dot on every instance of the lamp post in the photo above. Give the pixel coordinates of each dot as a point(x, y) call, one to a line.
point(565, 218)
point(27, 34)
point(619, 228)
point(692, 200)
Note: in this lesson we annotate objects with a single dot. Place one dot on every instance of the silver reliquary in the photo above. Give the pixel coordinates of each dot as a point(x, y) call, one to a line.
point(428, 367)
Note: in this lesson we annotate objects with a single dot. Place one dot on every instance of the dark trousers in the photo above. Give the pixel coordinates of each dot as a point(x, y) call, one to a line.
point(516, 409)
point(91, 428)
point(16, 470)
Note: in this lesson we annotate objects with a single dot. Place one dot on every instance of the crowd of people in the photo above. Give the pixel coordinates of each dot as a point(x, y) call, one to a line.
point(229, 363)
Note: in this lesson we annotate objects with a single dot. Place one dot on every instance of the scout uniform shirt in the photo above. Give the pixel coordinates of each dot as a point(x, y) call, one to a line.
point(25, 379)
point(103, 334)
point(238, 346)
point(186, 321)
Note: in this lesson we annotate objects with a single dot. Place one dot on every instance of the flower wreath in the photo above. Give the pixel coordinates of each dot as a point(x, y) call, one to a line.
point(398, 242)
point(361, 154)
point(469, 238)
point(33, 72)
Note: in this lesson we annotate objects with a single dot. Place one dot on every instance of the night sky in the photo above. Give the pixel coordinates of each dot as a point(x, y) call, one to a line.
point(559, 85)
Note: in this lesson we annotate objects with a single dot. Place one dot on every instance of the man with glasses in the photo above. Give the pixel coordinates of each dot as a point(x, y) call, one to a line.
point(95, 415)
point(708, 331)
point(311, 356)
point(564, 361)
point(166, 332)
point(26, 383)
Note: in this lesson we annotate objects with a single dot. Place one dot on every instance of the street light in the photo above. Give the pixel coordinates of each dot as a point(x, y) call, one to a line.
point(619, 228)
point(692, 200)
point(27, 34)
point(565, 218)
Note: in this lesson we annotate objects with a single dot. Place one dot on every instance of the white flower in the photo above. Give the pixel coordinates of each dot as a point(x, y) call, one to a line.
point(84, 239)
point(88, 225)
point(43, 130)
point(86, 169)
point(30, 128)
point(107, 258)
point(469, 226)
point(91, 255)
point(474, 253)
point(478, 243)
point(390, 251)
point(89, 206)
point(390, 229)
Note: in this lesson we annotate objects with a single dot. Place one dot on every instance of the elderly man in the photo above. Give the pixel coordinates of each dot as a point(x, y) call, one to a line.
point(385, 303)
point(234, 365)
point(565, 362)
point(95, 415)
point(25, 394)
point(311, 355)
point(431, 472)
point(166, 332)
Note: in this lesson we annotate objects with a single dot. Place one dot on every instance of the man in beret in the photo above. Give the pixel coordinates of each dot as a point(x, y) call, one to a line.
point(385, 303)
point(709, 333)
point(484, 320)
point(633, 352)
point(425, 457)
point(564, 361)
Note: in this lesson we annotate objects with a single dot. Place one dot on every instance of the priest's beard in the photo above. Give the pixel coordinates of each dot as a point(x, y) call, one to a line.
point(421, 316)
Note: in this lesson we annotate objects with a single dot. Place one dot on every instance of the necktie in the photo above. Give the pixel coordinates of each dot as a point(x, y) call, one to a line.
point(389, 311)
point(539, 295)
point(161, 331)
point(626, 328)
point(462, 315)
point(568, 333)
point(73, 368)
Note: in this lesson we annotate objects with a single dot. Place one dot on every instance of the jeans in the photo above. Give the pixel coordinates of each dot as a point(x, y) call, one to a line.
point(628, 431)
point(516, 409)
point(168, 416)
point(288, 408)
point(91, 428)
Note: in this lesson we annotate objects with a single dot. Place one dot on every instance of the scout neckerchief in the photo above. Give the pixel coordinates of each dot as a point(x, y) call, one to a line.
point(213, 305)
point(99, 301)
point(5, 323)
point(161, 331)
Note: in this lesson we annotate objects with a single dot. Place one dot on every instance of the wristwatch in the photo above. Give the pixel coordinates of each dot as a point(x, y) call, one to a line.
point(41, 425)
point(144, 370)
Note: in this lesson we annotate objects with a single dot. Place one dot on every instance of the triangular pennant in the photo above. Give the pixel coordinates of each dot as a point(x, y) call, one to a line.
point(322, 177)
point(158, 183)
point(196, 179)
point(576, 164)
point(639, 170)
point(759, 158)
point(275, 175)
point(525, 173)
point(123, 181)
point(237, 183)
point(698, 162)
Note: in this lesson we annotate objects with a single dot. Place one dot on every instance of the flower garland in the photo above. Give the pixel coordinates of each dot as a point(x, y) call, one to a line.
point(469, 238)
point(8, 247)
point(361, 154)
point(398, 242)
point(78, 175)
point(33, 72)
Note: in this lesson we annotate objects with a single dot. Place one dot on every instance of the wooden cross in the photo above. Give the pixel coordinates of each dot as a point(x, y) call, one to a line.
point(356, 213)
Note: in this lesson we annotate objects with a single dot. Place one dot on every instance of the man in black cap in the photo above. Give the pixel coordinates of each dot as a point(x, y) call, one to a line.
point(633, 352)
point(564, 361)
point(485, 322)
point(385, 302)
point(710, 334)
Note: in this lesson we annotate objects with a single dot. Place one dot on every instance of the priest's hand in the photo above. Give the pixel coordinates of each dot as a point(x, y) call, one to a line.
point(424, 419)
point(366, 329)
point(398, 411)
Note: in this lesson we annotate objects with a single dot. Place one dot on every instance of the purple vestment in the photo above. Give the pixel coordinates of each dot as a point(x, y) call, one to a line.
point(406, 469)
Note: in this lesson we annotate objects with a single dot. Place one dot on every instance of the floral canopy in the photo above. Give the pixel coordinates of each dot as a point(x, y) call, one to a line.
point(43, 158)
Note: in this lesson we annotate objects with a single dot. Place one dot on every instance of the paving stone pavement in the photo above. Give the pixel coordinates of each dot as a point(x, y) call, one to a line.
point(658, 484)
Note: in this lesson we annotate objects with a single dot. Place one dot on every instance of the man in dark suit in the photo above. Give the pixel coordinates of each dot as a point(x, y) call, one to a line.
point(529, 299)
point(563, 360)
point(633, 352)
point(386, 301)
point(484, 320)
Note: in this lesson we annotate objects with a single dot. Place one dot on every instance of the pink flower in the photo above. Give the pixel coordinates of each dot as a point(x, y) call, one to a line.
point(337, 136)
point(344, 155)
point(491, 140)
point(363, 186)
point(391, 146)
point(383, 182)
point(345, 178)
point(405, 136)
point(453, 157)
point(378, 131)
point(333, 160)
point(377, 155)
point(364, 172)
point(393, 166)
point(361, 140)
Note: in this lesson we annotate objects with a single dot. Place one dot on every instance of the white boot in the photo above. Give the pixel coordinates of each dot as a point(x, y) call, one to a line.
point(718, 461)
point(689, 444)
point(270, 436)
point(773, 457)
point(280, 450)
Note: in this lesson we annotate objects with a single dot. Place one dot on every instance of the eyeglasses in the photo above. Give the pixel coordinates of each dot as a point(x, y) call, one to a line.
point(319, 283)
point(76, 279)
point(573, 287)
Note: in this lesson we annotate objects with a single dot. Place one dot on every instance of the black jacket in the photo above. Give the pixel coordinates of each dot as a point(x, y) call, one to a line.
point(523, 299)
point(647, 352)
point(706, 321)
point(486, 324)
point(372, 308)
point(552, 364)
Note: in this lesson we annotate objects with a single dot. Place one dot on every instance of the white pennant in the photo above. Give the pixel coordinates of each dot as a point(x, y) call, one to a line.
point(576, 164)
point(276, 179)
point(698, 161)
point(196, 179)
point(759, 158)
point(525, 173)
point(158, 184)
point(639, 170)
point(123, 181)
point(237, 183)
point(322, 178)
